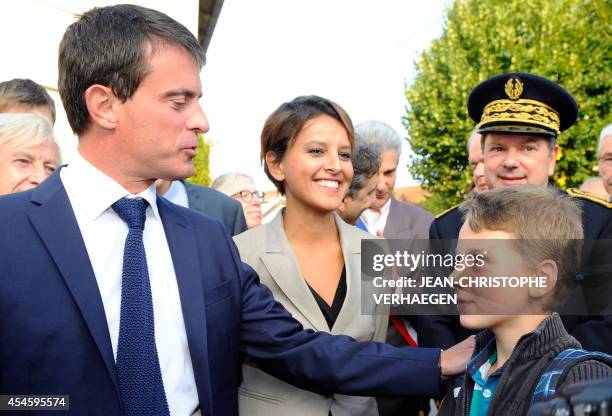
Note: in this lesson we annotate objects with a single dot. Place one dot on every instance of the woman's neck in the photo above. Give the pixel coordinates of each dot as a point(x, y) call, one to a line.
point(308, 225)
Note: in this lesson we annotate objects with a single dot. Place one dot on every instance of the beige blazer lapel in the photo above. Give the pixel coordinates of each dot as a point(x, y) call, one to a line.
point(351, 251)
point(282, 265)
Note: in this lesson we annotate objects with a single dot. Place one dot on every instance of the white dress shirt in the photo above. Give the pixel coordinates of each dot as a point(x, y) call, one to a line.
point(177, 194)
point(376, 220)
point(91, 194)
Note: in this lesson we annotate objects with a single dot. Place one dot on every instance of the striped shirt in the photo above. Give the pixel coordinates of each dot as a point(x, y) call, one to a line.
point(484, 387)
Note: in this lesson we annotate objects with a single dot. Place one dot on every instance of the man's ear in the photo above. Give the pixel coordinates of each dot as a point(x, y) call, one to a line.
point(345, 201)
point(275, 166)
point(549, 270)
point(100, 102)
point(553, 160)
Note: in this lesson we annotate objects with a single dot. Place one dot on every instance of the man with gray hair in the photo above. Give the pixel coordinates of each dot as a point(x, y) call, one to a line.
point(241, 187)
point(389, 217)
point(362, 190)
point(604, 157)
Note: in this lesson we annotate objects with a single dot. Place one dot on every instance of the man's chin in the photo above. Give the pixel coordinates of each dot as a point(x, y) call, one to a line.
point(179, 174)
point(380, 202)
point(482, 186)
point(504, 182)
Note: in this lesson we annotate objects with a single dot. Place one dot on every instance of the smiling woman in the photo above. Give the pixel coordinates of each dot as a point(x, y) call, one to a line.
point(308, 256)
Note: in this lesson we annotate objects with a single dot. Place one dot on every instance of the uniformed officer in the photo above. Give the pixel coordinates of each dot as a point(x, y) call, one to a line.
point(519, 116)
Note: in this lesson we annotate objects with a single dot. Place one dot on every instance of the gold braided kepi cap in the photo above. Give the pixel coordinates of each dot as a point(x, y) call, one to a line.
point(521, 103)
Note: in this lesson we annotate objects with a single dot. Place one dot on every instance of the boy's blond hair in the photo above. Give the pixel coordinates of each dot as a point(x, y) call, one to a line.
point(547, 224)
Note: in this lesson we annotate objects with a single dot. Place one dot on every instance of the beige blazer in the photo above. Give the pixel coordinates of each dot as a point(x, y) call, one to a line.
point(267, 249)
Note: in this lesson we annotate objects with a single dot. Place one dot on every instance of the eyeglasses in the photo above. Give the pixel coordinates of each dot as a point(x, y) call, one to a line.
point(246, 196)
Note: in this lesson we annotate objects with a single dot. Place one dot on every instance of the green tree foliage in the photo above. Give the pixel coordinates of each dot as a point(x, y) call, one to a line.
point(201, 163)
point(567, 41)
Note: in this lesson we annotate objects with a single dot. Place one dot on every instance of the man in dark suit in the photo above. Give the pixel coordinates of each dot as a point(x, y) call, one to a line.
point(133, 305)
point(521, 148)
point(206, 200)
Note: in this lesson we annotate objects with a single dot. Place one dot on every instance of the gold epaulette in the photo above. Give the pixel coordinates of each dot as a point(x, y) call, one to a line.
point(577, 193)
point(443, 213)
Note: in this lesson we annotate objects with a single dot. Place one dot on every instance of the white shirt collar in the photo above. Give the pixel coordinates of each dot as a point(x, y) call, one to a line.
point(372, 215)
point(94, 191)
point(374, 220)
point(177, 194)
point(385, 208)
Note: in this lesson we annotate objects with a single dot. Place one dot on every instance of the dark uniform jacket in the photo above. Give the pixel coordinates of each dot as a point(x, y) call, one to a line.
point(594, 332)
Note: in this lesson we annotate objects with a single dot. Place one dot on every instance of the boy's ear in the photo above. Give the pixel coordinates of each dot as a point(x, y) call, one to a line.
point(275, 166)
point(549, 270)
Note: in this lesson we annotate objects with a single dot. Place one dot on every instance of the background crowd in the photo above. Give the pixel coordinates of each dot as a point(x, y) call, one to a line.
point(337, 180)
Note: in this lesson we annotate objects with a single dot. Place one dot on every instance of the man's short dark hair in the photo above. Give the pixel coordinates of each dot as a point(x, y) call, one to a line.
point(112, 46)
point(25, 92)
point(366, 163)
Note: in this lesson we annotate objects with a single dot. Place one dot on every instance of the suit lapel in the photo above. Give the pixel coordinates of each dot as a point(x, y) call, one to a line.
point(186, 259)
point(399, 223)
point(351, 247)
point(283, 268)
point(53, 219)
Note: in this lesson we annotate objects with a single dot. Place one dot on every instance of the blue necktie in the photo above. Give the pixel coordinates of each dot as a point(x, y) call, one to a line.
point(140, 381)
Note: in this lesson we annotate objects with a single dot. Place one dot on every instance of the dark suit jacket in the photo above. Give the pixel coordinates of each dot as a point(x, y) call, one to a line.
point(55, 339)
point(594, 332)
point(217, 205)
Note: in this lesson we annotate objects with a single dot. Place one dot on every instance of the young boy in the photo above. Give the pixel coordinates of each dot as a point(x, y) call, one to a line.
point(526, 231)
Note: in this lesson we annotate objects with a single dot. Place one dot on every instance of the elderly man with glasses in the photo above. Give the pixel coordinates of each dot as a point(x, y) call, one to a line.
point(240, 186)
